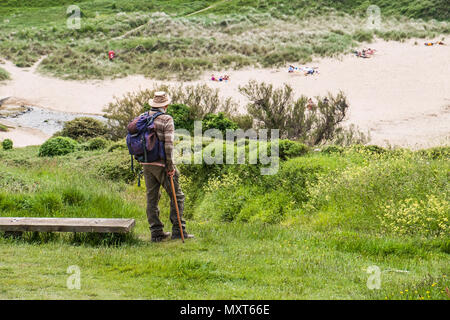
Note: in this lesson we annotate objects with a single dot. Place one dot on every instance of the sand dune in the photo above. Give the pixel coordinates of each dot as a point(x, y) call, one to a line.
point(402, 94)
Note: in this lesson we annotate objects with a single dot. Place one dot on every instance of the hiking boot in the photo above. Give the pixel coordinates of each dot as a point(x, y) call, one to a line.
point(160, 237)
point(177, 235)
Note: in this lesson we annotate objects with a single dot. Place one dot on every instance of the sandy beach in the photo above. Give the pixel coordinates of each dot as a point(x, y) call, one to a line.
point(402, 94)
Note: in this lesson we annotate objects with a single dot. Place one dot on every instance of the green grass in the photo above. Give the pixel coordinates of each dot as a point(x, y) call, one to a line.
point(318, 247)
point(232, 34)
point(4, 75)
point(4, 128)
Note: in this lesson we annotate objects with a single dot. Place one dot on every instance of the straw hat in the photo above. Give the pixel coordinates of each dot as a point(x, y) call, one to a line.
point(161, 99)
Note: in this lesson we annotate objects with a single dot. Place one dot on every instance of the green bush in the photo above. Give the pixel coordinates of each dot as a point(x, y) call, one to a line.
point(182, 117)
point(83, 128)
point(4, 75)
point(219, 122)
point(369, 150)
point(312, 122)
point(436, 153)
point(291, 149)
point(332, 149)
point(7, 144)
point(120, 145)
point(200, 100)
point(353, 197)
point(96, 144)
point(57, 146)
point(428, 218)
point(243, 121)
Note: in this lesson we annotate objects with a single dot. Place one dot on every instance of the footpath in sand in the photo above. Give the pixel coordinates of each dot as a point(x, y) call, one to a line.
point(402, 94)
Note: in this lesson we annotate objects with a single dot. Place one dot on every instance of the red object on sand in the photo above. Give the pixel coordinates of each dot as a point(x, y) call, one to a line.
point(111, 55)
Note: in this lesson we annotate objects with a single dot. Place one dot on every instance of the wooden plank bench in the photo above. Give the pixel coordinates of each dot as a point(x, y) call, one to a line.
point(18, 225)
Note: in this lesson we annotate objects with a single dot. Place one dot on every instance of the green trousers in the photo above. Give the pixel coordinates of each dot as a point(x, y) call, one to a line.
point(155, 176)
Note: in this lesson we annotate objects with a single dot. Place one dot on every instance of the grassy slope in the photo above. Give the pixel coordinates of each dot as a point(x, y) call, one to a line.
point(437, 9)
point(282, 31)
point(310, 255)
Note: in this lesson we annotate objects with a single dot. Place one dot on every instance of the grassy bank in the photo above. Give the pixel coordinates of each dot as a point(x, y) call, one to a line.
point(4, 75)
point(232, 34)
point(310, 231)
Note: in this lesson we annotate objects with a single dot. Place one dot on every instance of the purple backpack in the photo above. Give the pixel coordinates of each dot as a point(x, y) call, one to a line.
point(142, 140)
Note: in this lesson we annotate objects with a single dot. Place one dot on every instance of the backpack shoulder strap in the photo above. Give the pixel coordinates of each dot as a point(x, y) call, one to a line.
point(154, 116)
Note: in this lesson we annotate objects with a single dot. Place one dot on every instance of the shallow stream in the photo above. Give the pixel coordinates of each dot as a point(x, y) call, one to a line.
point(47, 121)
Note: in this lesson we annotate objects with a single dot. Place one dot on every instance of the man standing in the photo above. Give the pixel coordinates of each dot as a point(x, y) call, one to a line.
point(157, 173)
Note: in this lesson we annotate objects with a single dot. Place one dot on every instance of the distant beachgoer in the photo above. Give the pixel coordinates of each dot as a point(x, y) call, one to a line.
point(226, 78)
point(308, 70)
point(111, 55)
point(310, 104)
point(325, 100)
point(429, 44)
point(213, 78)
point(291, 69)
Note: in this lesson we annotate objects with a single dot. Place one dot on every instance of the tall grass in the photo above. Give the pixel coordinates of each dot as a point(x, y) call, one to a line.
point(228, 36)
point(263, 237)
point(4, 75)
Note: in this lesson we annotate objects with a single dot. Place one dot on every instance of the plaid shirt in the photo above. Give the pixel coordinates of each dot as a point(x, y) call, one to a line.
point(165, 130)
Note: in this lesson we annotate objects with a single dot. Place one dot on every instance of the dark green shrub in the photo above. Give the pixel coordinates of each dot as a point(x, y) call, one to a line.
point(219, 122)
point(96, 144)
point(7, 144)
point(291, 149)
point(312, 122)
point(83, 128)
point(4, 75)
point(181, 115)
point(120, 145)
point(244, 121)
point(57, 146)
point(201, 100)
point(332, 149)
point(436, 153)
point(371, 149)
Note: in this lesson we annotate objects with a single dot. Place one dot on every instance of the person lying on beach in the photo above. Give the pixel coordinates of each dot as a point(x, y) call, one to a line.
point(362, 54)
point(310, 105)
point(310, 71)
point(291, 69)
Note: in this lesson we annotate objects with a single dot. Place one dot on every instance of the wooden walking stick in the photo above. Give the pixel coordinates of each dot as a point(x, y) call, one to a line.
point(176, 207)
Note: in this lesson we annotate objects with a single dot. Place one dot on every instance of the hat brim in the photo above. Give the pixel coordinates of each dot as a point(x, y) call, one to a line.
point(161, 104)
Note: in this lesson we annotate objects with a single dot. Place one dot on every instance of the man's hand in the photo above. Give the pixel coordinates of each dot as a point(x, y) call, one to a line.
point(171, 173)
